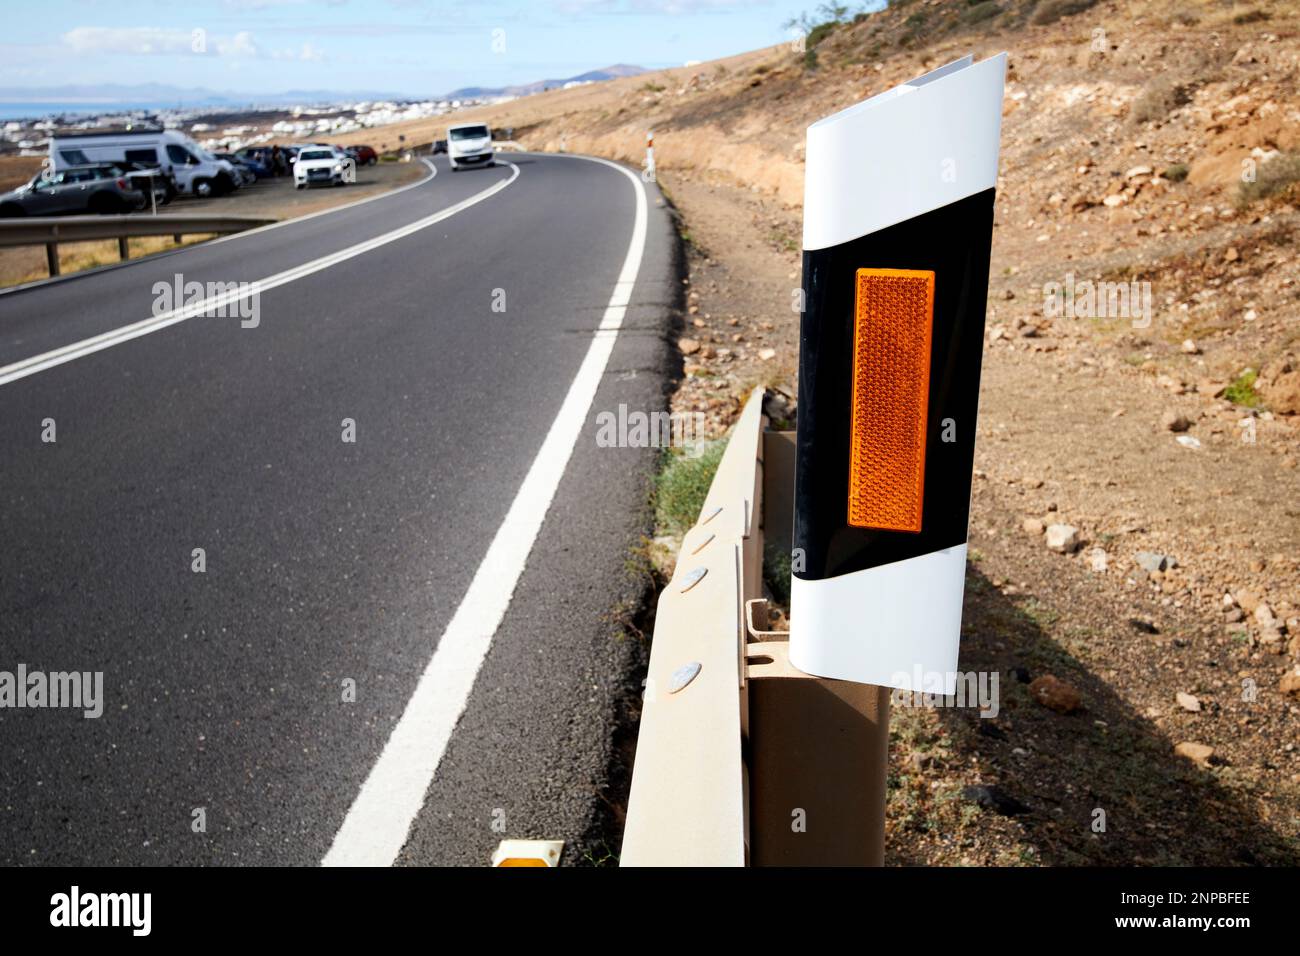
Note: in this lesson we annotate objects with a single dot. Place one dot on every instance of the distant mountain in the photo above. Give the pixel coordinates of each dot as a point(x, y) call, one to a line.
point(85, 97)
point(527, 89)
point(163, 95)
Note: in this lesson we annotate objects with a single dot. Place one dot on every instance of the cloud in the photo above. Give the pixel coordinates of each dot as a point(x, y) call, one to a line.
point(306, 54)
point(675, 7)
point(267, 4)
point(667, 7)
point(158, 41)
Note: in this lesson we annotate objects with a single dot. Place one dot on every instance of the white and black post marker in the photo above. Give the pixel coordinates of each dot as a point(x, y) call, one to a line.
point(898, 216)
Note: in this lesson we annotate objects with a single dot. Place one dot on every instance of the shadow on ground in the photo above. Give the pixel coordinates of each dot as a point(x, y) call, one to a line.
point(1052, 772)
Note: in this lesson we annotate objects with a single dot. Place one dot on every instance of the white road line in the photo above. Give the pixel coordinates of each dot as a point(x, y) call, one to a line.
point(76, 350)
point(376, 827)
point(54, 280)
point(433, 171)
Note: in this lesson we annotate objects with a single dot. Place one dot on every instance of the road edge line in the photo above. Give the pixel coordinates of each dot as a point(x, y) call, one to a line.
point(379, 821)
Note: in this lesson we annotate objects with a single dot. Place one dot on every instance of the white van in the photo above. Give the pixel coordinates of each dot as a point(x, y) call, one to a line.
point(469, 144)
point(195, 171)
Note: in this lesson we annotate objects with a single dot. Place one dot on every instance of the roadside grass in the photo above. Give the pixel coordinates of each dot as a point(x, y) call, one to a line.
point(1278, 176)
point(1158, 100)
point(1053, 10)
point(682, 485)
point(80, 256)
point(1241, 391)
point(777, 569)
point(599, 855)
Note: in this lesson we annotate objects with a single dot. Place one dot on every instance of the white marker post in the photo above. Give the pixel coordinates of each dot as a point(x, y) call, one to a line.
point(898, 216)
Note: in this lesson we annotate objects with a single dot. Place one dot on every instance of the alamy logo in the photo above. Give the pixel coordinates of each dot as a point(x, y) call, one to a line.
point(219, 300)
point(1085, 299)
point(103, 909)
point(651, 430)
point(36, 689)
point(974, 689)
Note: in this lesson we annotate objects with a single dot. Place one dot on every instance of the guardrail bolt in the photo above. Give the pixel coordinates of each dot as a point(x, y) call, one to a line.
point(683, 676)
point(693, 577)
point(703, 544)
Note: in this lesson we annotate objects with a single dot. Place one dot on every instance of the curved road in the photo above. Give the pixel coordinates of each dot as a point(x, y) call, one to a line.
point(454, 566)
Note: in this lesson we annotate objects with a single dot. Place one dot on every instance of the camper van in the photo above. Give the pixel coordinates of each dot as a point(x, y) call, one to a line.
point(195, 171)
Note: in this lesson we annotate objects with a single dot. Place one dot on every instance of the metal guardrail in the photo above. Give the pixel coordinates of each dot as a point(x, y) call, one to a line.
point(49, 231)
point(743, 759)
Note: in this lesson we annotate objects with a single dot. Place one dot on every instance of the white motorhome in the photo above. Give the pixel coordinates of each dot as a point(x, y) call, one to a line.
point(195, 171)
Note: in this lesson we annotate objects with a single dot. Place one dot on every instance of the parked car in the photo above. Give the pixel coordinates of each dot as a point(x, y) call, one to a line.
point(257, 159)
point(323, 166)
point(243, 171)
point(364, 155)
point(97, 188)
point(195, 171)
point(469, 144)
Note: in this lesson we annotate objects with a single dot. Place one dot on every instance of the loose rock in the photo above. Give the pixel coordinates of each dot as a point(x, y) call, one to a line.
point(995, 799)
point(1055, 694)
point(1198, 753)
point(1151, 561)
point(1062, 538)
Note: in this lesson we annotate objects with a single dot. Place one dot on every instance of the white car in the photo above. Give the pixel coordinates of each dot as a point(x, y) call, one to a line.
point(323, 166)
point(469, 144)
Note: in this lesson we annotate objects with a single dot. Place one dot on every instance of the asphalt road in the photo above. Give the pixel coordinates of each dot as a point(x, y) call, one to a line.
point(329, 564)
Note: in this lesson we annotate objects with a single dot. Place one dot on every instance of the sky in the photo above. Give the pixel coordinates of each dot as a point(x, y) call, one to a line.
point(399, 46)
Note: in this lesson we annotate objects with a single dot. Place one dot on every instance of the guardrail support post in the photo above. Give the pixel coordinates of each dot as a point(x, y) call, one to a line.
point(123, 248)
point(818, 754)
point(52, 258)
point(818, 748)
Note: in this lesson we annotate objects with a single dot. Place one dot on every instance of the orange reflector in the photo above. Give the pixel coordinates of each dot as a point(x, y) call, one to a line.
point(528, 853)
point(893, 318)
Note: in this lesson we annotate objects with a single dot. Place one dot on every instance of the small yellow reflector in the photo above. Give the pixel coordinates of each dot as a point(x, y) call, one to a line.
point(528, 853)
point(893, 321)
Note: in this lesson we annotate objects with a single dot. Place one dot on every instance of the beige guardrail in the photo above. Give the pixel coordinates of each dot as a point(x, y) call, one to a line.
point(49, 231)
point(742, 758)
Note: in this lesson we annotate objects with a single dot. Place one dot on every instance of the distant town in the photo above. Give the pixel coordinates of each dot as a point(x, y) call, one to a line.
point(224, 126)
